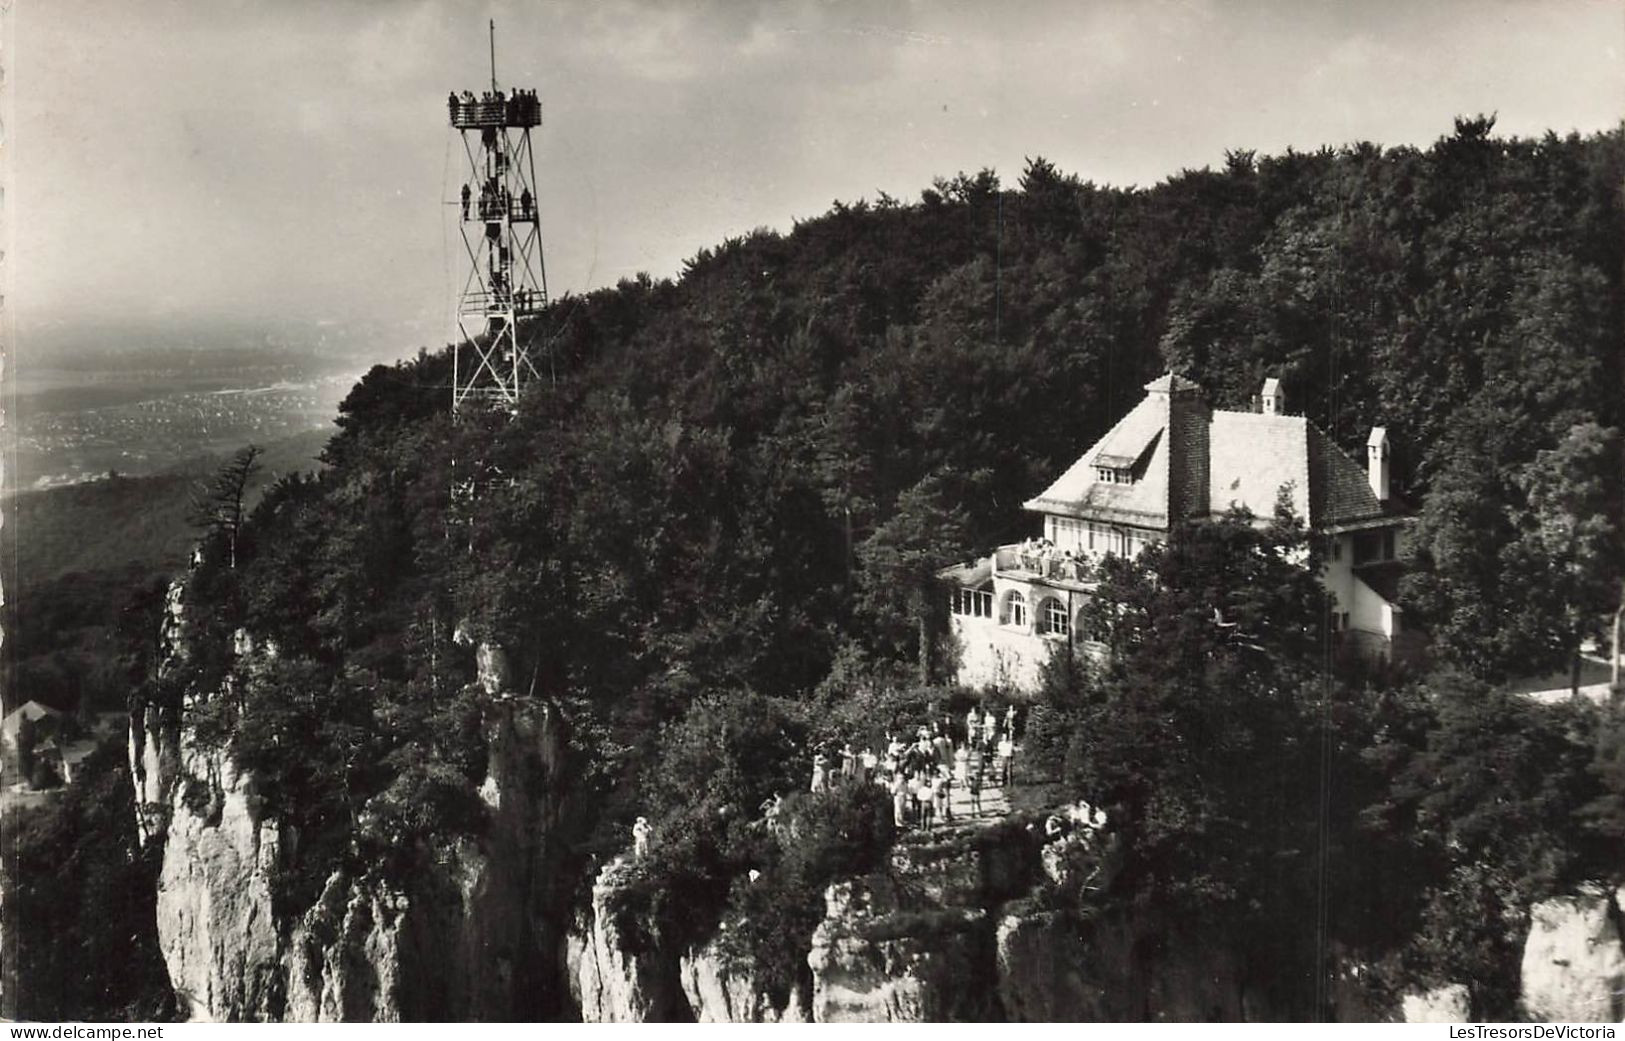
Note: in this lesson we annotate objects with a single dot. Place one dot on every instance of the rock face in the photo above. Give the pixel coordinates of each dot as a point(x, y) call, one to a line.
point(1447, 1004)
point(950, 930)
point(721, 992)
point(1573, 963)
point(611, 979)
point(344, 958)
point(1045, 971)
point(873, 962)
point(215, 925)
point(476, 939)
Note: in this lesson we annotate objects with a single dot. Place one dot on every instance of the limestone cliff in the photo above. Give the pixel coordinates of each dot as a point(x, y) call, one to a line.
point(1573, 962)
point(959, 925)
point(611, 979)
point(719, 990)
point(476, 938)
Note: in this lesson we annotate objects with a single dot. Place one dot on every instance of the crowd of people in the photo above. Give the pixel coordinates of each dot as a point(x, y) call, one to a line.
point(922, 768)
point(1041, 556)
point(518, 107)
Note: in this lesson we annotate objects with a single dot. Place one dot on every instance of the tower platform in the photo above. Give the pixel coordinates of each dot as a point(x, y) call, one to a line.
point(517, 111)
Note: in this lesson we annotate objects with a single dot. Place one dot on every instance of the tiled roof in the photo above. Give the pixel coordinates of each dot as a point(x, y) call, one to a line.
point(1251, 456)
point(1342, 493)
point(1137, 436)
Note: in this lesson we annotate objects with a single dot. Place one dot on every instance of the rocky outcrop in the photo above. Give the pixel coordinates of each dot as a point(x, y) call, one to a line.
point(1573, 963)
point(874, 962)
point(613, 978)
point(344, 958)
point(475, 938)
point(1447, 1004)
point(219, 937)
point(719, 990)
point(1046, 970)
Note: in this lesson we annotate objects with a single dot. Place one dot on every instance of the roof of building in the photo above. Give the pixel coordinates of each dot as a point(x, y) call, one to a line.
point(33, 711)
point(972, 576)
point(1137, 436)
point(1251, 457)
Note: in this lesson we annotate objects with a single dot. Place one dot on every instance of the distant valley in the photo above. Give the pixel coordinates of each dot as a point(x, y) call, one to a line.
point(74, 425)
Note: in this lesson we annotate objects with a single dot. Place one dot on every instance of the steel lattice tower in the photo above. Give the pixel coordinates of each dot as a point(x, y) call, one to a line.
point(507, 278)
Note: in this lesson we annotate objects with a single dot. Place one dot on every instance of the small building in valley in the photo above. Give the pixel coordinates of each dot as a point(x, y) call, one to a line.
point(1174, 458)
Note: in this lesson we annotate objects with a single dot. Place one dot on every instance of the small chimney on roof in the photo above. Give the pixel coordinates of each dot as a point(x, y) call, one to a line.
point(1272, 399)
point(1376, 451)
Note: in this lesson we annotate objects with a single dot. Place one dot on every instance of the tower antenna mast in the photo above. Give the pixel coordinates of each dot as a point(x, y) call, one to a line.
point(506, 280)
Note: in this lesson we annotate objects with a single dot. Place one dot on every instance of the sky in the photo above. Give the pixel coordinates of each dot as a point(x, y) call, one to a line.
point(225, 164)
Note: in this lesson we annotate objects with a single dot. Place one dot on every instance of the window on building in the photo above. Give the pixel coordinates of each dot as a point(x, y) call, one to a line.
point(1105, 475)
point(973, 603)
point(1337, 548)
point(1015, 609)
point(1373, 546)
point(1053, 619)
point(1068, 533)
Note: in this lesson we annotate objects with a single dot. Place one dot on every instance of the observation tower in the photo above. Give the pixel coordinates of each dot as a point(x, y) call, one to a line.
point(506, 281)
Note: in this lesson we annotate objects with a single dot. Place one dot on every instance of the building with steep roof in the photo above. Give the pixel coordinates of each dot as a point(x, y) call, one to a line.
point(1174, 458)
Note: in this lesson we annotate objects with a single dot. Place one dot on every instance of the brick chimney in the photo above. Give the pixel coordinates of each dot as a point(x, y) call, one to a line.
point(1272, 398)
point(1188, 418)
point(1376, 452)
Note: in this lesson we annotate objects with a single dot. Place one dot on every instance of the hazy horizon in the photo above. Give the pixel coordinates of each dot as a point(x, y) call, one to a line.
point(191, 166)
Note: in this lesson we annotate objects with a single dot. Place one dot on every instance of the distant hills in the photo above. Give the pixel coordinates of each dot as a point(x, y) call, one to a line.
point(120, 522)
point(91, 562)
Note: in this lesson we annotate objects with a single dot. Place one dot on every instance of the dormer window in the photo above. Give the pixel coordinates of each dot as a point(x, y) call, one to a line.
point(1114, 475)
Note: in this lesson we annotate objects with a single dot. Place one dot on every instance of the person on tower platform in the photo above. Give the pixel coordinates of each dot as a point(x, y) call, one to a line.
point(451, 103)
point(524, 204)
point(466, 195)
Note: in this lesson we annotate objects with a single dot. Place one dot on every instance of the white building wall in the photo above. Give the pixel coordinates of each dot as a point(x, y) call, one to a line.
point(1367, 611)
point(1003, 656)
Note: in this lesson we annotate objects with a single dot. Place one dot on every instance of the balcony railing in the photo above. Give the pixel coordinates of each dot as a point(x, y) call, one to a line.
point(1050, 567)
point(521, 110)
point(522, 302)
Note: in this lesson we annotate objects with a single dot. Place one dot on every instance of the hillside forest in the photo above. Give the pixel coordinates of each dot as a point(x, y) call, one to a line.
point(722, 507)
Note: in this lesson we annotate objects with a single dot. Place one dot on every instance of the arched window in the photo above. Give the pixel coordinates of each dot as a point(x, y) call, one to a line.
point(1052, 617)
point(1015, 609)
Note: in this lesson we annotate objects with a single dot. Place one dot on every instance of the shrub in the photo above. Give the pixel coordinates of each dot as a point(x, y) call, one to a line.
point(830, 836)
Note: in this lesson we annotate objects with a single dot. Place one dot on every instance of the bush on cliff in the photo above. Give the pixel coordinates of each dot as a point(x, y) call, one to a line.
point(822, 839)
